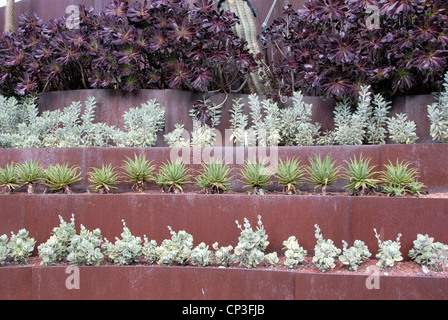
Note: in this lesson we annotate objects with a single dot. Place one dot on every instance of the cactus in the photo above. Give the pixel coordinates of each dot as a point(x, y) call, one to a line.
point(247, 30)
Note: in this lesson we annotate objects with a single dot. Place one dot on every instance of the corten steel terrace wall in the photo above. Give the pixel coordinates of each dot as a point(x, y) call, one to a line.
point(211, 218)
point(47, 9)
point(112, 104)
point(428, 159)
point(180, 283)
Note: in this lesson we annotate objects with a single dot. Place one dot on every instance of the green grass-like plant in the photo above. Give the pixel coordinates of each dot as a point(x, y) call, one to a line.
point(103, 179)
point(400, 180)
point(60, 178)
point(322, 173)
point(256, 175)
point(30, 174)
point(214, 177)
point(138, 171)
point(173, 176)
point(8, 178)
point(289, 174)
point(360, 176)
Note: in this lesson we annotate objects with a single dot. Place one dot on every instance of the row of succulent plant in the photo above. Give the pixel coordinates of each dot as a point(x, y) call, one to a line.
point(265, 124)
point(268, 124)
point(143, 45)
point(216, 176)
point(90, 248)
point(326, 48)
point(21, 125)
point(58, 178)
point(333, 47)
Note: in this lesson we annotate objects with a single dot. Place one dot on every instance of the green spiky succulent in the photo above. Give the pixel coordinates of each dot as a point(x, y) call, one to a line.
point(256, 175)
point(103, 179)
point(322, 173)
point(60, 178)
point(214, 177)
point(290, 174)
point(138, 171)
point(30, 174)
point(173, 176)
point(400, 180)
point(8, 178)
point(360, 176)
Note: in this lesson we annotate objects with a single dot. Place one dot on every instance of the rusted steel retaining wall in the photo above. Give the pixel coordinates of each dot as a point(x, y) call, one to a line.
point(191, 283)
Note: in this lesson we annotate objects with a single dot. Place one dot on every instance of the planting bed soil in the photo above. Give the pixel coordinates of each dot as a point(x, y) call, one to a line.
point(402, 268)
point(268, 193)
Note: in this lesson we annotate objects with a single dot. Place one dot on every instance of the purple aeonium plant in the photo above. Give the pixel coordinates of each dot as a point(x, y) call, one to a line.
point(147, 44)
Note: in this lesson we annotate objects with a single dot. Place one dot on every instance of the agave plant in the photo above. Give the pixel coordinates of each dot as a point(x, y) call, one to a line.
point(8, 178)
point(290, 174)
point(173, 176)
point(138, 171)
point(30, 174)
point(322, 173)
point(360, 176)
point(215, 177)
point(60, 178)
point(256, 175)
point(399, 179)
point(103, 179)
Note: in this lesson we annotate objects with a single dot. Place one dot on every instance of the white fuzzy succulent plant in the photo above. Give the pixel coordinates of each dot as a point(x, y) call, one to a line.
point(389, 252)
point(428, 253)
point(294, 253)
point(175, 250)
point(85, 248)
point(223, 255)
point(325, 252)
point(149, 250)
point(251, 244)
point(21, 246)
point(55, 249)
point(126, 250)
point(354, 256)
point(201, 256)
point(4, 249)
